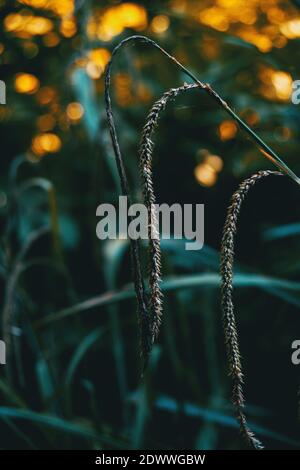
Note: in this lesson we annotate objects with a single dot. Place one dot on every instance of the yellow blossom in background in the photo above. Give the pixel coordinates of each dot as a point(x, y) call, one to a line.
point(26, 83)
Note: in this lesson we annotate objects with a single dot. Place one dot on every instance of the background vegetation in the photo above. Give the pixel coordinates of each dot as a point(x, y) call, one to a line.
point(72, 378)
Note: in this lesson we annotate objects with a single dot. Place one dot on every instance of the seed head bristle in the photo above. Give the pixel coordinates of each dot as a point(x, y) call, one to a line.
point(229, 322)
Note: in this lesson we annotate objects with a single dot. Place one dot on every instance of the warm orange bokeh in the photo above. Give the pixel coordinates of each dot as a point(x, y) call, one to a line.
point(205, 174)
point(110, 22)
point(75, 111)
point(46, 143)
point(26, 83)
point(227, 130)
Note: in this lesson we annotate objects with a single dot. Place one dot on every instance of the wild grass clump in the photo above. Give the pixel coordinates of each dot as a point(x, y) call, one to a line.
point(150, 320)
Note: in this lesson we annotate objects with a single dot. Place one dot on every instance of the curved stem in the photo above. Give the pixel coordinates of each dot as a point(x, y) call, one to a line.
point(145, 160)
point(229, 322)
point(135, 254)
point(267, 151)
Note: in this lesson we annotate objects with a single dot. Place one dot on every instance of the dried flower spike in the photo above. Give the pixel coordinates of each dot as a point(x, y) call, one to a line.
point(229, 322)
point(145, 160)
point(148, 327)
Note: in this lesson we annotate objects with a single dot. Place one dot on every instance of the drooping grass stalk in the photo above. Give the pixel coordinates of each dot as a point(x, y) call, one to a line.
point(267, 151)
point(145, 161)
point(229, 322)
point(144, 317)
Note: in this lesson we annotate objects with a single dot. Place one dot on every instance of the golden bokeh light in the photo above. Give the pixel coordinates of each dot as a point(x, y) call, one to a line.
point(205, 175)
point(243, 19)
point(214, 17)
point(282, 133)
point(143, 93)
point(30, 49)
point(251, 117)
point(179, 6)
point(46, 95)
point(262, 41)
point(227, 130)
point(282, 82)
point(46, 143)
point(46, 122)
point(160, 24)
point(110, 22)
point(26, 25)
point(210, 47)
point(75, 111)
point(291, 28)
point(100, 56)
point(238, 17)
point(35, 3)
point(215, 162)
point(51, 39)
point(26, 83)
point(93, 70)
point(132, 15)
point(123, 93)
point(68, 27)
point(96, 63)
point(61, 8)
point(276, 84)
